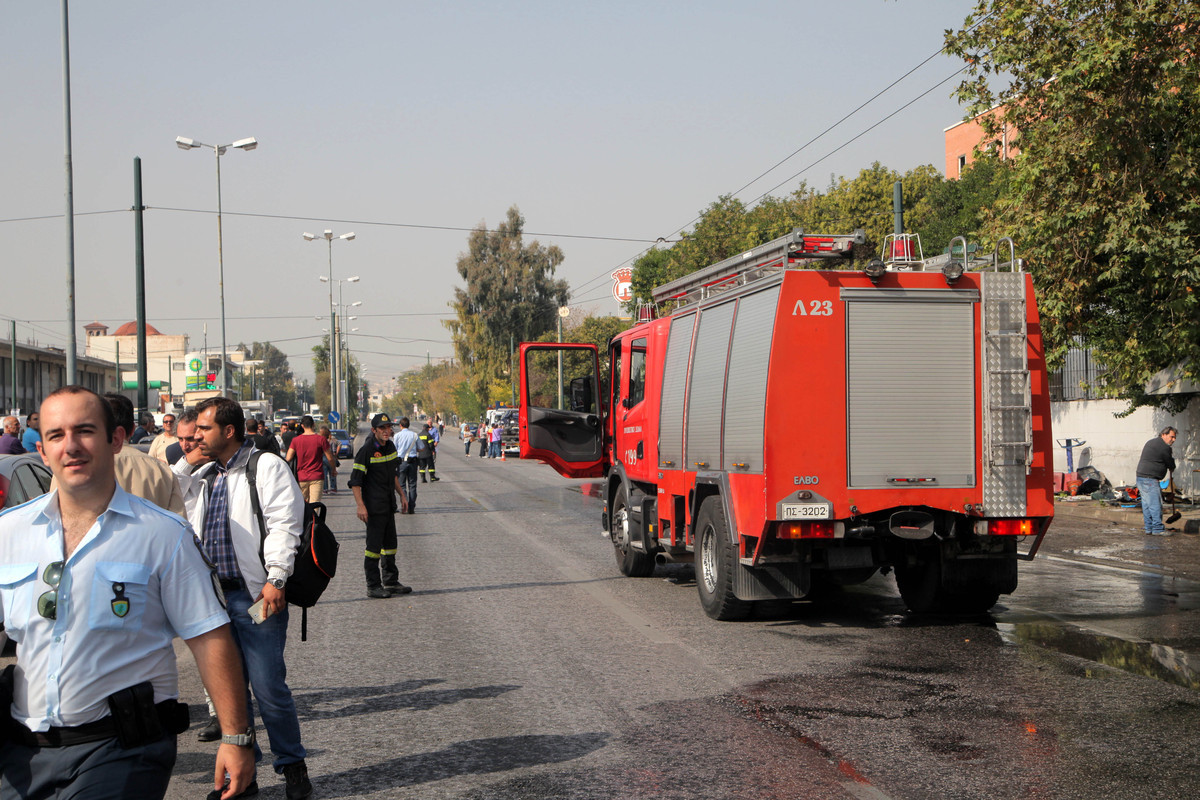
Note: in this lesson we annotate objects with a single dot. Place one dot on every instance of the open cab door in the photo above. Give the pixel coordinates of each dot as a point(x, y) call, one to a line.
point(561, 413)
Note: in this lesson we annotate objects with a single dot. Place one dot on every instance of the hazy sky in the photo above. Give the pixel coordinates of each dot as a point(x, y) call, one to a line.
point(599, 119)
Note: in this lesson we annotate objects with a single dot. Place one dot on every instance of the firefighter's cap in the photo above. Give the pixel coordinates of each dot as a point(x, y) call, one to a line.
point(380, 420)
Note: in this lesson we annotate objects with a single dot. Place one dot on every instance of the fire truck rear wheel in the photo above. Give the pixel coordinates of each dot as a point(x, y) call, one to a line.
point(716, 560)
point(632, 563)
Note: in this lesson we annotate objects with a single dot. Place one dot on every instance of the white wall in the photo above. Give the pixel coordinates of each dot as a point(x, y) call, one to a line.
point(1114, 445)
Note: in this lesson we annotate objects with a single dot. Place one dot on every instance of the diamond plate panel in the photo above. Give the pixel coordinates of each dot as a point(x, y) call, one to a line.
point(1007, 407)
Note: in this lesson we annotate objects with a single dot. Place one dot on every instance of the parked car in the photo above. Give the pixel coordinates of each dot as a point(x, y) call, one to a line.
point(22, 478)
point(345, 444)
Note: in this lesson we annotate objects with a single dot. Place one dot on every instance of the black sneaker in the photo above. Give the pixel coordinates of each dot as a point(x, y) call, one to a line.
point(298, 786)
point(397, 588)
point(434, 478)
point(210, 732)
point(249, 791)
point(378, 592)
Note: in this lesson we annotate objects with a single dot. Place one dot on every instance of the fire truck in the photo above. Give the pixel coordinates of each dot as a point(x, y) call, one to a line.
point(790, 429)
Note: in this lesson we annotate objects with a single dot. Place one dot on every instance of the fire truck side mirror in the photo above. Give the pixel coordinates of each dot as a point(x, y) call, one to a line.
point(582, 394)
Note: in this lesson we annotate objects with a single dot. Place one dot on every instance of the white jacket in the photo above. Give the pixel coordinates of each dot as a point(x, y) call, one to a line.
point(282, 507)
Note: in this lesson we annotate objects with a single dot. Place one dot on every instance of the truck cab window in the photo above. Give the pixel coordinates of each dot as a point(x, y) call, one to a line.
point(637, 372)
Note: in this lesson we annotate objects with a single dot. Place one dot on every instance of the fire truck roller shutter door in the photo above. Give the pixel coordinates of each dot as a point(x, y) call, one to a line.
point(707, 392)
point(674, 391)
point(746, 395)
point(910, 384)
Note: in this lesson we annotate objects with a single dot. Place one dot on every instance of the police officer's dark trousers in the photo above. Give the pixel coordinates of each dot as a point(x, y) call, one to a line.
point(380, 556)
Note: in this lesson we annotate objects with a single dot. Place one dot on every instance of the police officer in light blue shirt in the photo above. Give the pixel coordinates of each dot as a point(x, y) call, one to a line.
point(406, 464)
point(94, 585)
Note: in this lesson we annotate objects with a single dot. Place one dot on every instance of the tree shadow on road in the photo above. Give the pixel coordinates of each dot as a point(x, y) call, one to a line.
point(472, 757)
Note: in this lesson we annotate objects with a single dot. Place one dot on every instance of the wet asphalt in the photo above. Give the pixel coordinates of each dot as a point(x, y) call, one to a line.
point(524, 666)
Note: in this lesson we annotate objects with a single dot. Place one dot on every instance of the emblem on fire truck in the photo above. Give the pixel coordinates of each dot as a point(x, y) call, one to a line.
point(623, 284)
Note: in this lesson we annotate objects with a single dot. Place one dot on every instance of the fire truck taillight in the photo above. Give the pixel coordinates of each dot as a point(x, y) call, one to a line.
point(1010, 527)
point(806, 530)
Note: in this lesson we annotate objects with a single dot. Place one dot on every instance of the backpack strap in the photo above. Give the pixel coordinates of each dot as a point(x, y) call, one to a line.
point(252, 479)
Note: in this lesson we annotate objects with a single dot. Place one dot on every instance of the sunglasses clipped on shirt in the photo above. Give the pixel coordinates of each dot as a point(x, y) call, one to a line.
point(48, 602)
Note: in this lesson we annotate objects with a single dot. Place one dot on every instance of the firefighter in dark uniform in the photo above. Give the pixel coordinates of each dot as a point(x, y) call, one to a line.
point(426, 464)
point(375, 485)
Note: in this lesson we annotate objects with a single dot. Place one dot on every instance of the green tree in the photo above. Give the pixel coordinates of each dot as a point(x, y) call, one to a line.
point(963, 207)
point(510, 296)
point(272, 378)
point(1105, 191)
point(727, 227)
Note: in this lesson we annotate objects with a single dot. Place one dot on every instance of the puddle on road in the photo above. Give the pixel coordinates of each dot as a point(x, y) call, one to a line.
point(1141, 658)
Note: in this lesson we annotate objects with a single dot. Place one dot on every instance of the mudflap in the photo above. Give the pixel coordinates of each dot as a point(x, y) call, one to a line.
point(772, 582)
point(962, 574)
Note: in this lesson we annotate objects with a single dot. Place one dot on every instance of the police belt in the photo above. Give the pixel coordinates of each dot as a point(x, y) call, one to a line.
point(89, 731)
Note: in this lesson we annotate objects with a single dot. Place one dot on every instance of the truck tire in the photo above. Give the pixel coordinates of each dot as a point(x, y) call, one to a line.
point(631, 563)
point(716, 561)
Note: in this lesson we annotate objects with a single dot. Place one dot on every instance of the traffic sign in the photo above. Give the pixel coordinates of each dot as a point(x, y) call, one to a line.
point(335, 417)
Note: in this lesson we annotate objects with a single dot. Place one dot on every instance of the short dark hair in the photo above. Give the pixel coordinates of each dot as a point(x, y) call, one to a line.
point(404, 422)
point(252, 425)
point(122, 408)
point(307, 421)
point(189, 415)
point(1167, 430)
point(145, 418)
point(110, 420)
point(227, 413)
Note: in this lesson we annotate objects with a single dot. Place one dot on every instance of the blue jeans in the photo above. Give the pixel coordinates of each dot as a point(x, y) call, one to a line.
point(1150, 494)
point(330, 481)
point(261, 647)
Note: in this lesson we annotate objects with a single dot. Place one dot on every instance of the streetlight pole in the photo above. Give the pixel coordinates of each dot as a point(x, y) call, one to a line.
point(219, 150)
point(333, 373)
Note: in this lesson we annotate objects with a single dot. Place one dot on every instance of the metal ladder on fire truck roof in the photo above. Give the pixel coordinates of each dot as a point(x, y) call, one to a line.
point(766, 259)
point(1007, 406)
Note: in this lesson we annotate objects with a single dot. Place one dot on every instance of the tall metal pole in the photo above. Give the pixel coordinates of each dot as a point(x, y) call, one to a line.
point(560, 391)
point(898, 207)
point(221, 278)
point(333, 404)
point(139, 269)
point(70, 192)
point(12, 363)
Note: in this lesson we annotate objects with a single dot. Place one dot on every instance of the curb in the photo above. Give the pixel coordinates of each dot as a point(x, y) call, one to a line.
point(1095, 509)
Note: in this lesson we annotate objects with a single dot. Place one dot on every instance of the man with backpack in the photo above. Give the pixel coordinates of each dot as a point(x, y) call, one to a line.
point(375, 483)
point(233, 539)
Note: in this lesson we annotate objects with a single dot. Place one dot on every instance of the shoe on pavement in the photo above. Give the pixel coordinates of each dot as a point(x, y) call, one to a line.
point(435, 478)
point(249, 791)
point(397, 588)
point(412, 510)
point(378, 592)
point(210, 732)
point(1161, 533)
point(297, 786)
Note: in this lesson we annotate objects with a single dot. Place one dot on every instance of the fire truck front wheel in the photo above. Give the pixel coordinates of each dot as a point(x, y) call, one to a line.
point(716, 560)
point(632, 563)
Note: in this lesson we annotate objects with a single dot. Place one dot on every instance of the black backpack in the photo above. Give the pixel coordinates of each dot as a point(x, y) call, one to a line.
point(316, 557)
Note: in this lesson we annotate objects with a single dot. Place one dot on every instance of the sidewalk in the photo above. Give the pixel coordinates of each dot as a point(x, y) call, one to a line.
point(1093, 531)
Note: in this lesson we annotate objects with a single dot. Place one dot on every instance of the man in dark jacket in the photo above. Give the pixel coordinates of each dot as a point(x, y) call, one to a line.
point(1156, 461)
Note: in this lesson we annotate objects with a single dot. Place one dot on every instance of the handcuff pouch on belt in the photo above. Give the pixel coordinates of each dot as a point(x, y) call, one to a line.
point(139, 721)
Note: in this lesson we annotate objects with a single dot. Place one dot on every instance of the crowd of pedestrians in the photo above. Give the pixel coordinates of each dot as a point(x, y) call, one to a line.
point(146, 546)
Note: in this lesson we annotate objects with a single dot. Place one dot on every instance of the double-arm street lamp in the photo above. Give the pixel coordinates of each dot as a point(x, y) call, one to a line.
point(250, 143)
point(329, 237)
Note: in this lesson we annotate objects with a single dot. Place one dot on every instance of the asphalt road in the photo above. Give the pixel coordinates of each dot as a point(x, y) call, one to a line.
point(524, 666)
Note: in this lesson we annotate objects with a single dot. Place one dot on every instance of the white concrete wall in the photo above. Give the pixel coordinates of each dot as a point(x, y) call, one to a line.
point(1114, 445)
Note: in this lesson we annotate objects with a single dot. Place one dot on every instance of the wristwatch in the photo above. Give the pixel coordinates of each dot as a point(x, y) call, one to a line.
point(276, 582)
point(239, 739)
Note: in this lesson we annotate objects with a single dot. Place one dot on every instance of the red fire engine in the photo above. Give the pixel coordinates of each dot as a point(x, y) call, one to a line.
point(790, 428)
